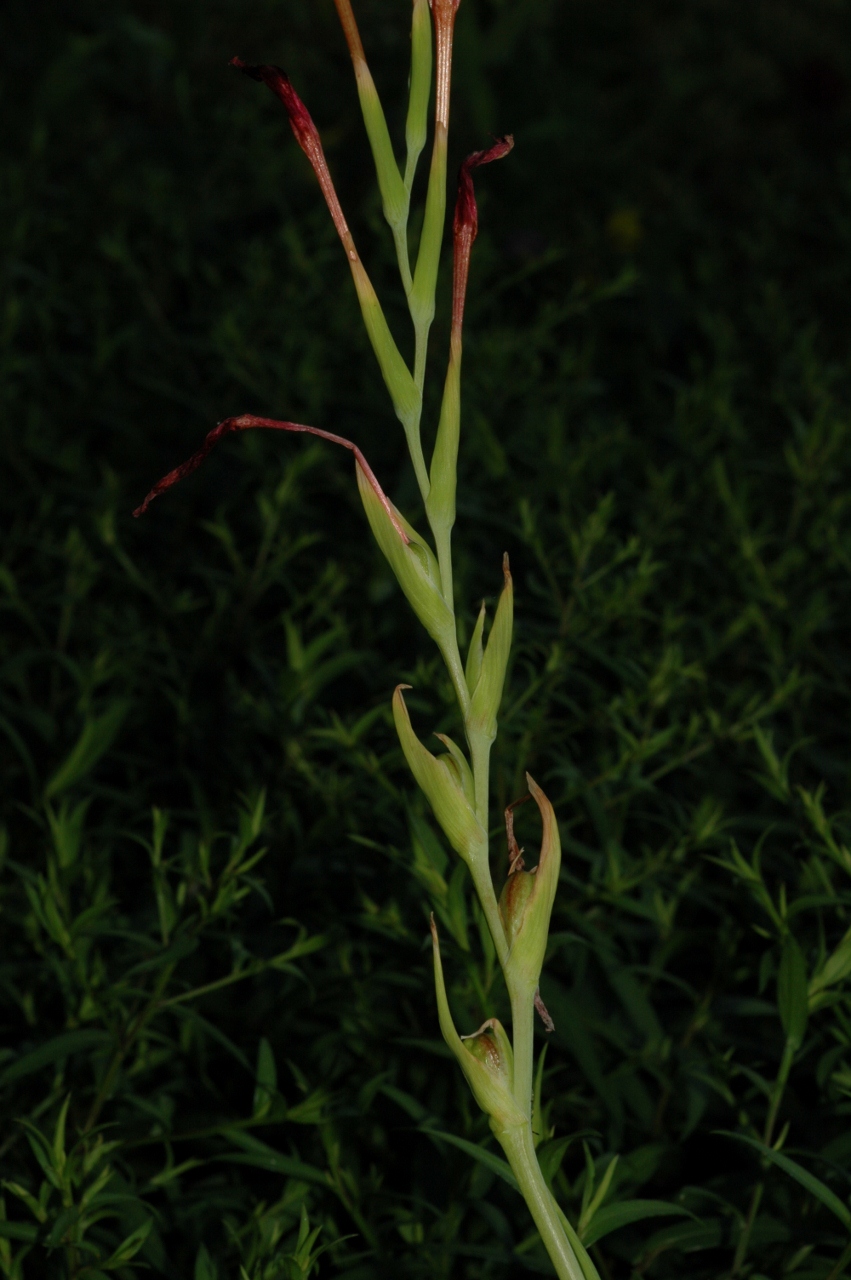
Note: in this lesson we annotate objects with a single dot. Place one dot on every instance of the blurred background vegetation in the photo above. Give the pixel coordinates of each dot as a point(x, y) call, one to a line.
point(219, 1037)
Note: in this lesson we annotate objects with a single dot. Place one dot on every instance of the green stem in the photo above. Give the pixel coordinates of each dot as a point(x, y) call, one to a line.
point(744, 1238)
point(490, 906)
point(841, 1263)
point(767, 1134)
point(135, 1028)
point(778, 1091)
point(421, 295)
point(480, 750)
point(451, 655)
point(523, 1027)
point(400, 239)
point(519, 1149)
point(443, 546)
point(411, 423)
point(421, 329)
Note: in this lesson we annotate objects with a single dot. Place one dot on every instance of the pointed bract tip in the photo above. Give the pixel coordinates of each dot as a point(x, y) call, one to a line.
point(531, 783)
point(506, 568)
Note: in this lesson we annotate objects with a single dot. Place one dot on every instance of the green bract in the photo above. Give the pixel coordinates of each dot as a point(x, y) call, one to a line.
point(443, 784)
point(527, 901)
point(486, 1057)
point(486, 696)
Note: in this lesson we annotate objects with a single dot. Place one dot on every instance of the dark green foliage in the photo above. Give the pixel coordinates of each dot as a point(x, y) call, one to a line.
point(208, 1053)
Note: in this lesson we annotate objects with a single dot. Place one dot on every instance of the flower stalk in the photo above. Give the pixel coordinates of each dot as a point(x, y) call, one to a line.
point(498, 1068)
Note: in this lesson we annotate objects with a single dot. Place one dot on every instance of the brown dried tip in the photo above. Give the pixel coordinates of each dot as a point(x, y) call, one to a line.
point(248, 421)
point(549, 1025)
point(515, 853)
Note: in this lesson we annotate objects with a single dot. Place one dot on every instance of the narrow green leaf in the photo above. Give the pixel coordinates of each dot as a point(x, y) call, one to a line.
point(205, 1268)
point(257, 1153)
point(53, 1051)
point(95, 740)
point(18, 1231)
point(836, 968)
point(267, 1079)
point(67, 1218)
point(598, 1196)
point(416, 125)
point(415, 1109)
point(807, 1180)
point(59, 1135)
point(792, 992)
point(613, 1216)
point(129, 1247)
point(687, 1237)
point(495, 1163)
point(550, 1156)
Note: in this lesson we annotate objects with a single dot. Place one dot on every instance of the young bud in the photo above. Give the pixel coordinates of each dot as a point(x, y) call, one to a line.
point(527, 901)
point(444, 791)
point(416, 125)
point(475, 652)
point(457, 761)
point(393, 195)
point(485, 1057)
point(487, 695)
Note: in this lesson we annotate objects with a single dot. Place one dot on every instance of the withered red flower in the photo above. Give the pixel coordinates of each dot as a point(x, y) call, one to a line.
point(307, 137)
point(465, 225)
point(247, 422)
